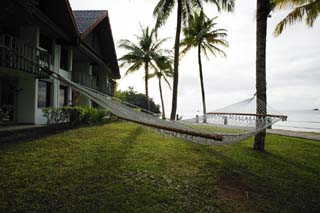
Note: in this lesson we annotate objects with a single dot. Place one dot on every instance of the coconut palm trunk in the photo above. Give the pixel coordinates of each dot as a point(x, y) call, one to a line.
point(202, 85)
point(146, 69)
point(161, 97)
point(263, 10)
point(176, 62)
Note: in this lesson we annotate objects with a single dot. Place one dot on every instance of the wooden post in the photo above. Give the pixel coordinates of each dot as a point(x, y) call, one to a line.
point(225, 120)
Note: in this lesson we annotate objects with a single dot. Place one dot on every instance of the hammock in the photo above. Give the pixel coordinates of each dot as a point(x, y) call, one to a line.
point(224, 126)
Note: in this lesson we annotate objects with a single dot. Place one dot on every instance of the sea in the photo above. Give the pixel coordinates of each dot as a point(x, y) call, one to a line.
point(302, 120)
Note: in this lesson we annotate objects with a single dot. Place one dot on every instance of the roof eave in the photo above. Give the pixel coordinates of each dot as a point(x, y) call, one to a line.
point(94, 25)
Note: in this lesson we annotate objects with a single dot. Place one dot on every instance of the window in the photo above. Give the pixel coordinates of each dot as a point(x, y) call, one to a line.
point(45, 43)
point(44, 97)
point(64, 59)
point(63, 96)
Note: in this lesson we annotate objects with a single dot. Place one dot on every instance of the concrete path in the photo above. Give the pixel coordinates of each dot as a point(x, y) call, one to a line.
point(305, 135)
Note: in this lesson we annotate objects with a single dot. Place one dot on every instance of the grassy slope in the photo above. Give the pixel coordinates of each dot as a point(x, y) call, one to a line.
point(125, 167)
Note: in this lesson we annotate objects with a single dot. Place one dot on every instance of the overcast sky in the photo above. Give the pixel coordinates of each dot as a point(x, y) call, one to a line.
point(293, 59)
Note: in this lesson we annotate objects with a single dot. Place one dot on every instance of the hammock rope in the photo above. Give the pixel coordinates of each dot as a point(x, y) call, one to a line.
point(224, 126)
point(228, 125)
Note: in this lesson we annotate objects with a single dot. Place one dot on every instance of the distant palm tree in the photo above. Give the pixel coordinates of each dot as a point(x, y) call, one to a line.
point(202, 34)
point(143, 53)
point(164, 72)
point(184, 9)
point(263, 10)
point(309, 9)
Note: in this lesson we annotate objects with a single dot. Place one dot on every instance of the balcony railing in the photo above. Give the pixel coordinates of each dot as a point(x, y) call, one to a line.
point(15, 54)
point(85, 79)
point(91, 82)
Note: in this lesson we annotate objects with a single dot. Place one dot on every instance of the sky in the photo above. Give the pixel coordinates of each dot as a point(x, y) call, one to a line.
point(293, 58)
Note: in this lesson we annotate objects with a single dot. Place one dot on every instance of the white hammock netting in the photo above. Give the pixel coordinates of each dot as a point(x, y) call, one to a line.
point(224, 126)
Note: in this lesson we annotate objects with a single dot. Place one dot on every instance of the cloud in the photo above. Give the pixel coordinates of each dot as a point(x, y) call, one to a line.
point(293, 59)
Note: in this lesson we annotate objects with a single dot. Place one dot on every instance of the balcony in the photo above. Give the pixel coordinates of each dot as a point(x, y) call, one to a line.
point(14, 54)
point(85, 79)
point(91, 81)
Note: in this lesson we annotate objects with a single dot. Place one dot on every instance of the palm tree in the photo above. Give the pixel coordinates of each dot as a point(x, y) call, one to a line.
point(143, 53)
point(184, 8)
point(302, 8)
point(201, 34)
point(164, 72)
point(263, 11)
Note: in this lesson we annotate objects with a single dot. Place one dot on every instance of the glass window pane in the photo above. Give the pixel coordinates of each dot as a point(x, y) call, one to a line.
point(63, 96)
point(64, 59)
point(43, 94)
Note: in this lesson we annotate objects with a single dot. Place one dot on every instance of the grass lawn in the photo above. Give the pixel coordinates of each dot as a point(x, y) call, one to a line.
point(124, 167)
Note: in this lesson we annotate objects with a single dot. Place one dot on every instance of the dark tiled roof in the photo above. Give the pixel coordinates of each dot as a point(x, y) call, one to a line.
point(85, 18)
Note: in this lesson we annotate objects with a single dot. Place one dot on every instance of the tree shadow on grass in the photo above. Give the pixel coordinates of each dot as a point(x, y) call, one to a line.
point(125, 145)
point(292, 163)
point(245, 177)
point(30, 134)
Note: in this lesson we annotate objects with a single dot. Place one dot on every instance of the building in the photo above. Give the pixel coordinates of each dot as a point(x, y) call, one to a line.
point(35, 40)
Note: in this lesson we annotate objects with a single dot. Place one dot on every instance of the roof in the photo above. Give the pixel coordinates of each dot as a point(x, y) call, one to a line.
point(64, 18)
point(85, 19)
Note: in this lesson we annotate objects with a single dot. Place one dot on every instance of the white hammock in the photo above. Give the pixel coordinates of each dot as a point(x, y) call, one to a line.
point(222, 127)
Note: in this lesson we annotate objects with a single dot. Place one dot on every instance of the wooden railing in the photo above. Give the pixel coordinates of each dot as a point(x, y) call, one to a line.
point(15, 54)
point(91, 82)
point(85, 79)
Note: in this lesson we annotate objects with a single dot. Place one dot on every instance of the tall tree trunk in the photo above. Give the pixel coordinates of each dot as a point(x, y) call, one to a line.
point(263, 10)
point(176, 63)
point(162, 102)
point(146, 69)
point(202, 86)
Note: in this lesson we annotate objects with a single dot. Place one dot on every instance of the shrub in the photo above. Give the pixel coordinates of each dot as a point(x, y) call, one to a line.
point(75, 116)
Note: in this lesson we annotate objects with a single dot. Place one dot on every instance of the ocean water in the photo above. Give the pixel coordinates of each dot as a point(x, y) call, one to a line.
point(304, 120)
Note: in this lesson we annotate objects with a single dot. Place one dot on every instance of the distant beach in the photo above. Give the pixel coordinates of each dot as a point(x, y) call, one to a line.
point(303, 120)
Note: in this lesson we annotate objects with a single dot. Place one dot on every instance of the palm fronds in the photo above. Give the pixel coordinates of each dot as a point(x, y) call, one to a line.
point(308, 9)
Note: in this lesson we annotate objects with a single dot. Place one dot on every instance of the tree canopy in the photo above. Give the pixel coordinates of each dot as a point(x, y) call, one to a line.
point(308, 9)
point(137, 99)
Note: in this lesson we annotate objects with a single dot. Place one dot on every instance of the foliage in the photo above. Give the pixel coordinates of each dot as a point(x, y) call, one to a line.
point(164, 8)
point(122, 167)
point(146, 53)
point(201, 33)
point(185, 8)
point(164, 72)
point(143, 51)
point(308, 9)
point(74, 116)
point(137, 99)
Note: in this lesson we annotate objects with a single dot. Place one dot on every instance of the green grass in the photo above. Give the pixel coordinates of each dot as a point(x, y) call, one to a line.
point(124, 167)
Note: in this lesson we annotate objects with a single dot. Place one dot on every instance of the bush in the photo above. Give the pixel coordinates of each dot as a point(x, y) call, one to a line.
point(75, 116)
